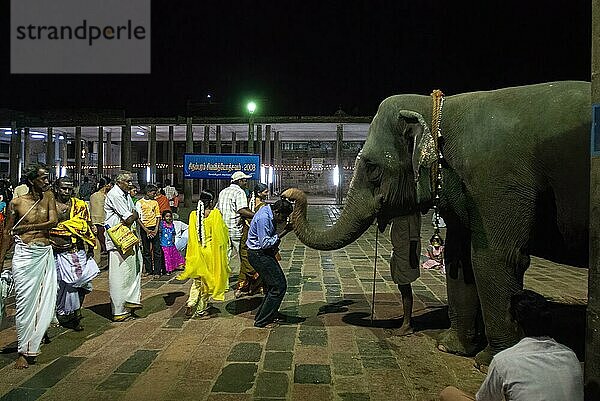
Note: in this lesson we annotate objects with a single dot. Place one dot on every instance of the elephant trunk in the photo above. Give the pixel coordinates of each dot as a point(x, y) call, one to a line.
point(356, 217)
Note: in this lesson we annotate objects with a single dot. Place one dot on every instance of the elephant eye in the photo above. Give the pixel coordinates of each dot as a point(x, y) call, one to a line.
point(374, 173)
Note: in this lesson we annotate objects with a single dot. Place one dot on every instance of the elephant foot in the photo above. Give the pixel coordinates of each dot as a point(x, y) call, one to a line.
point(483, 359)
point(451, 343)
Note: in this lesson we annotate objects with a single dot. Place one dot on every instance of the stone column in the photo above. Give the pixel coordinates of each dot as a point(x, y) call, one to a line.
point(592, 340)
point(267, 148)
point(251, 135)
point(339, 161)
point(109, 159)
point(233, 142)
point(218, 139)
point(26, 148)
point(63, 155)
point(152, 153)
point(100, 159)
point(126, 146)
point(259, 146)
point(206, 139)
point(278, 163)
point(50, 151)
point(205, 150)
point(15, 152)
point(57, 161)
point(267, 162)
point(77, 175)
point(189, 148)
point(218, 183)
point(171, 154)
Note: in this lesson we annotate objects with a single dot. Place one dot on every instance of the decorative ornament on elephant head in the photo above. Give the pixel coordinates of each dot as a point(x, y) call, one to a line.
point(515, 184)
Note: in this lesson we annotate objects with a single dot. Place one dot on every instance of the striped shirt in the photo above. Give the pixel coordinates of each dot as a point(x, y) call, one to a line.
point(232, 199)
point(170, 193)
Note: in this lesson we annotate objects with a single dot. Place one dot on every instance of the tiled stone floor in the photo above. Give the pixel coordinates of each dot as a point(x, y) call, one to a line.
point(332, 352)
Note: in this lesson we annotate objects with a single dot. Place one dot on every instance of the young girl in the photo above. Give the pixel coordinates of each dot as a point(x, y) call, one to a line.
point(2, 213)
point(173, 260)
point(435, 254)
point(206, 257)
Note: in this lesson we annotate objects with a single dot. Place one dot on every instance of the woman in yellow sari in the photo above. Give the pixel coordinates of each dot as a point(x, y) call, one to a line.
point(206, 257)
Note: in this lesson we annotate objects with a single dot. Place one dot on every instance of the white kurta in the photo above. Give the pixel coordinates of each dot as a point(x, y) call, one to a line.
point(34, 272)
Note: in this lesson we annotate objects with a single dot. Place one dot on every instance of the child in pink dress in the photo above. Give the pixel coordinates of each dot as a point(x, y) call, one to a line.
point(435, 254)
point(173, 259)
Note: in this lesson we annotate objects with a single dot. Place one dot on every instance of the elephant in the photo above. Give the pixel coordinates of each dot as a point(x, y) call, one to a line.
point(514, 183)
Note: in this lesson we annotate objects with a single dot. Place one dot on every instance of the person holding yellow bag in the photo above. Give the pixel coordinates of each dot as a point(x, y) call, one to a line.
point(73, 242)
point(124, 268)
point(206, 257)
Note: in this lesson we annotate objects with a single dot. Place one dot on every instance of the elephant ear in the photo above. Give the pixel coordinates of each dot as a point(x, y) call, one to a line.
point(423, 152)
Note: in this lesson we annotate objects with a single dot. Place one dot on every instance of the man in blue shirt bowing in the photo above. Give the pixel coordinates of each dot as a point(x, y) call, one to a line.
point(263, 242)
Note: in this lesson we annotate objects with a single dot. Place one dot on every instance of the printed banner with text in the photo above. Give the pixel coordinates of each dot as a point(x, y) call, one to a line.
point(220, 166)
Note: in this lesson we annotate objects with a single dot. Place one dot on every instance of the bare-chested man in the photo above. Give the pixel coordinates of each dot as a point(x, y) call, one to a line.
point(75, 268)
point(29, 219)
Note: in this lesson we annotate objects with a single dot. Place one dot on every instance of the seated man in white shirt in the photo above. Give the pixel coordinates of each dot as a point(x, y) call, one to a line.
point(181, 234)
point(536, 368)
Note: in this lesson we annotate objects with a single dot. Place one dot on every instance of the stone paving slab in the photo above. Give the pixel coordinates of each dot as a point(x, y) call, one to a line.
point(278, 361)
point(236, 378)
point(335, 352)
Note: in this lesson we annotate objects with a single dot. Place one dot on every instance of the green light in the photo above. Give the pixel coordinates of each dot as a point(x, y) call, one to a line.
point(251, 106)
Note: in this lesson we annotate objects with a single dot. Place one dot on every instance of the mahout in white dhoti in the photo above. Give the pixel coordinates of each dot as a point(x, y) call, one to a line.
point(34, 272)
point(75, 271)
point(124, 279)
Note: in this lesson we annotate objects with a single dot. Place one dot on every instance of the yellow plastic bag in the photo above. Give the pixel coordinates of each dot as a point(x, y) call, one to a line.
point(123, 238)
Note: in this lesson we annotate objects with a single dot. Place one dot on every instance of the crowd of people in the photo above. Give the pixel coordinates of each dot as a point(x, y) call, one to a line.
point(59, 239)
point(63, 237)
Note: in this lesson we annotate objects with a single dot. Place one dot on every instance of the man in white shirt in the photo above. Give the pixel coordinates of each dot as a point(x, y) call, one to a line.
point(536, 368)
point(181, 234)
point(124, 270)
point(233, 203)
point(171, 193)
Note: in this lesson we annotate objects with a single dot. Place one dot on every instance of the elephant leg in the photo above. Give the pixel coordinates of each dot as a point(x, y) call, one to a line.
point(499, 272)
point(501, 227)
point(463, 337)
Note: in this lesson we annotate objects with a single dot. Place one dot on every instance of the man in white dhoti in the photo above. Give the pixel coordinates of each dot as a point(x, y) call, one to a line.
point(124, 270)
point(29, 219)
point(75, 268)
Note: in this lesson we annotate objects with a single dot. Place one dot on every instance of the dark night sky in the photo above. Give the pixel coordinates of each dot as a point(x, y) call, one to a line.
point(308, 58)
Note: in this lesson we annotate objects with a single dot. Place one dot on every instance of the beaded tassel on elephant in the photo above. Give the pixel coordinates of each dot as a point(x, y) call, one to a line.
point(437, 97)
